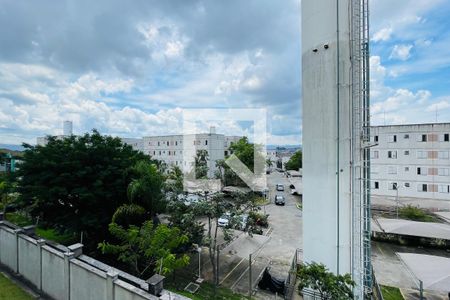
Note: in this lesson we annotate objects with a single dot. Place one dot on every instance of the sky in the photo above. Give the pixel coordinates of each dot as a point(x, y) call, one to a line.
point(131, 68)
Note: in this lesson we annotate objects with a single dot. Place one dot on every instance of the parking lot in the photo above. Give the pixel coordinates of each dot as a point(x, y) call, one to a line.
point(275, 248)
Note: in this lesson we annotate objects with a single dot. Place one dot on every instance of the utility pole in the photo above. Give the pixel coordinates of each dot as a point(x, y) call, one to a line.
point(250, 284)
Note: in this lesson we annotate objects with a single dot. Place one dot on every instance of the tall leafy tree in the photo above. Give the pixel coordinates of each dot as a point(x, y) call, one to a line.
point(295, 162)
point(146, 187)
point(77, 183)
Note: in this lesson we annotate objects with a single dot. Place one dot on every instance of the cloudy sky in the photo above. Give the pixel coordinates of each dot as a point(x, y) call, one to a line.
point(129, 68)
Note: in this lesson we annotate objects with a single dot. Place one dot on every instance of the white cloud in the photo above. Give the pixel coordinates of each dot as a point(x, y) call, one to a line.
point(438, 106)
point(401, 52)
point(383, 34)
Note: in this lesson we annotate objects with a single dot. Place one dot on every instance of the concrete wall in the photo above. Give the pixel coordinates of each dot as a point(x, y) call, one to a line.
point(327, 202)
point(57, 272)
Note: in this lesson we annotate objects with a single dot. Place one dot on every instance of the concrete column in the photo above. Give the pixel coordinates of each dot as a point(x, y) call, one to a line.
point(67, 257)
point(111, 276)
point(40, 243)
point(77, 249)
point(16, 250)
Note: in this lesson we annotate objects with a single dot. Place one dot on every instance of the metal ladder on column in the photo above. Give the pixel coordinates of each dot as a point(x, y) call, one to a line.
point(360, 106)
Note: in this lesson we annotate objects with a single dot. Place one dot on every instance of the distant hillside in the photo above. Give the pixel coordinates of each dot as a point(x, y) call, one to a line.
point(12, 147)
point(13, 153)
point(288, 147)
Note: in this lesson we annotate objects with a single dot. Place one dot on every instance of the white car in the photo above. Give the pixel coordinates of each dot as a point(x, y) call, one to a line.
point(224, 220)
point(280, 187)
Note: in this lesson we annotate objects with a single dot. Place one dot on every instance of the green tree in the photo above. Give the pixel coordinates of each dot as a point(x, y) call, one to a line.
point(147, 249)
point(245, 152)
point(215, 206)
point(295, 162)
point(201, 164)
point(329, 285)
point(77, 183)
point(146, 187)
point(184, 217)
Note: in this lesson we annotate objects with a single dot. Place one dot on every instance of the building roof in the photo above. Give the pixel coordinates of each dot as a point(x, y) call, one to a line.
point(413, 124)
point(433, 271)
point(413, 228)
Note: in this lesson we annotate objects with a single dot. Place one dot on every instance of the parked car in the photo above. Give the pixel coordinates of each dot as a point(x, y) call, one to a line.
point(224, 220)
point(279, 200)
point(280, 187)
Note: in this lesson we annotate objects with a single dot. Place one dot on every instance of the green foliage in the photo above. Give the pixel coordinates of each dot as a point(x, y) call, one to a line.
point(77, 183)
point(147, 247)
point(184, 217)
point(146, 187)
point(414, 213)
point(257, 218)
point(129, 214)
point(174, 181)
point(295, 162)
point(19, 218)
point(201, 164)
point(10, 291)
point(330, 286)
point(391, 293)
point(245, 152)
point(51, 234)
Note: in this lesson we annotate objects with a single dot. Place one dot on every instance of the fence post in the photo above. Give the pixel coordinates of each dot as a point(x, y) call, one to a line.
point(16, 250)
point(67, 257)
point(40, 243)
point(250, 276)
point(111, 276)
point(421, 289)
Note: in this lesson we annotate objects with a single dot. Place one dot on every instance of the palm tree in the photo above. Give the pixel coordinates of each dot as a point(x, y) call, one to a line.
point(146, 189)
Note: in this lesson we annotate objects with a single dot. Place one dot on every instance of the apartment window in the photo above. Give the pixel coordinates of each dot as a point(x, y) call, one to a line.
point(406, 152)
point(406, 136)
point(154, 152)
point(421, 154)
point(375, 138)
point(421, 171)
point(206, 142)
point(446, 137)
point(406, 169)
point(158, 143)
point(374, 154)
point(407, 185)
point(176, 143)
point(422, 188)
point(392, 170)
point(376, 185)
point(167, 143)
point(444, 172)
point(393, 186)
point(160, 153)
point(225, 153)
point(392, 154)
point(444, 188)
point(424, 138)
point(443, 154)
point(392, 138)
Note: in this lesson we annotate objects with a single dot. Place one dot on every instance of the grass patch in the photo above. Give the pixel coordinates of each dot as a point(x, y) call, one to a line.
point(391, 293)
point(53, 235)
point(260, 201)
point(10, 291)
point(19, 219)
point(206, 291)
point(414, 213)
point(50, 234)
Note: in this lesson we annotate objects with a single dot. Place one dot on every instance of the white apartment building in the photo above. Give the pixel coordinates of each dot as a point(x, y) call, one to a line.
point(411, 161)
point(180, 150)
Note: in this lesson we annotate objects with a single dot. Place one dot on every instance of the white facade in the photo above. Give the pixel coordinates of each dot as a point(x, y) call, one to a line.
point(180, 150)
point(411, 161)
point(327, 202)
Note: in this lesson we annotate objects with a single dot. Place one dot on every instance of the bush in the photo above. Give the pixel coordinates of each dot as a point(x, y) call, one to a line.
point(415, 214)
point(258, 219)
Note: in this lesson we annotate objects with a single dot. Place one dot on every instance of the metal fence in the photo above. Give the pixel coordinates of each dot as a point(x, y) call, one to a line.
point(291, 280)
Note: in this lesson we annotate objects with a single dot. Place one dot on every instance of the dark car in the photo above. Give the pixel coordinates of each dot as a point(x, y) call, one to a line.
point(279, 200)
